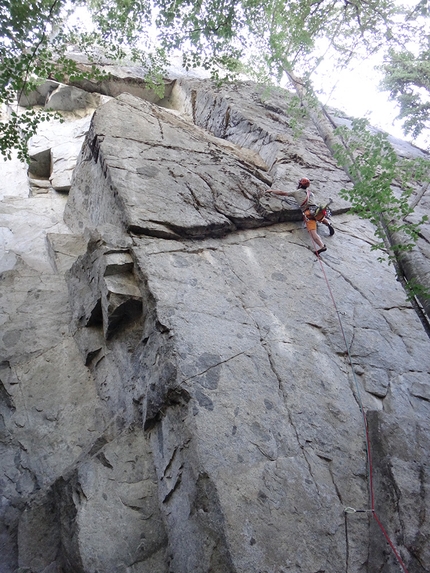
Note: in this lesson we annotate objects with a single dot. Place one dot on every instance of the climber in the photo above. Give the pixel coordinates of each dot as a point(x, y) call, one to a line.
point(304, 198)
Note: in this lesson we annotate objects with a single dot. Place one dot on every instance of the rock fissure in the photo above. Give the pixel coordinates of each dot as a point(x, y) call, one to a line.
point(197, 203)
point(92, 451)
point(281, 389)
point(309, 466)
point(419, 196)
point(270, 360)
point(424, 238)
point(350, 282)
point(160, 126)
point(362, 239)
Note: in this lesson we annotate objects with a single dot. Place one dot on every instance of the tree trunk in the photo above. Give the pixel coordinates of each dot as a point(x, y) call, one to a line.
point(414, 267)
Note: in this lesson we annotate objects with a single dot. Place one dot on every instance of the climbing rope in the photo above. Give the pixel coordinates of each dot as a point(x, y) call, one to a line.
point(366, 430)
point(348, 510)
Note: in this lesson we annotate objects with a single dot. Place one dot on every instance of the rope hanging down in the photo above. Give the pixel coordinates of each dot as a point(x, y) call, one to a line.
point(366, 431)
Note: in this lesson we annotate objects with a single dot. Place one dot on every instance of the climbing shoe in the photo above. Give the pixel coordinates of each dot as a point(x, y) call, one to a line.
point(321, 250)
point(331, 230)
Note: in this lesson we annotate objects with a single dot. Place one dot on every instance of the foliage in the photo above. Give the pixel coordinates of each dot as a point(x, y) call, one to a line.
point(219, 35)
point(297, 35)
point(17, 131)
point(407, 78)
point(414, 289)
point(377, 172)
point(406, 69)
point(36, 43)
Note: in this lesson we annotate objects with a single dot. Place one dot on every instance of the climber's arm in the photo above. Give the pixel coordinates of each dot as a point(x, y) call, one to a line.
point(279, 192)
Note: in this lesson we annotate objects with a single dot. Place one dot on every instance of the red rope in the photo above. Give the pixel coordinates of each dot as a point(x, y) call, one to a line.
point(372, 497)
point(369, 461)
point(369, 456)
point(391, 544)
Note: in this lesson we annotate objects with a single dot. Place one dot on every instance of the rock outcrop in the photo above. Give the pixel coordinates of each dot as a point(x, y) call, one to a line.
point(182, 380)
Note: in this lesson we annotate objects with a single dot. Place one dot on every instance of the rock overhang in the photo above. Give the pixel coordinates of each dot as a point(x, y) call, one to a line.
point(170, 178)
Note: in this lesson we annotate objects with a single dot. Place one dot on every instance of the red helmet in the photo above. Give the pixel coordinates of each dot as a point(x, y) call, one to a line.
point(304, 183)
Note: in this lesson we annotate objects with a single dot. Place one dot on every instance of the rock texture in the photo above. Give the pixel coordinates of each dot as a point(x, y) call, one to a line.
point(176, 388)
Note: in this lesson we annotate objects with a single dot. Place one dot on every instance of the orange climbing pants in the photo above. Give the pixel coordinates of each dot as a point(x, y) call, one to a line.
point(311, 224)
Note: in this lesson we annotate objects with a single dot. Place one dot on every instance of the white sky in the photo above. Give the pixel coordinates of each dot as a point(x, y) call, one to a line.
point(356, 93)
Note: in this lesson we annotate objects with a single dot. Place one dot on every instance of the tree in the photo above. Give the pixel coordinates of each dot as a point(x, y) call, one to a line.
point(407, 78)
point(36, 35)
point(383, 186)
point(406, 71)
point(23, 32)
point(35, 38)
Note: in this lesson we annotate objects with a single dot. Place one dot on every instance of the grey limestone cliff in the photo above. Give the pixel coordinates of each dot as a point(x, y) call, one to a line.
point(182, 380)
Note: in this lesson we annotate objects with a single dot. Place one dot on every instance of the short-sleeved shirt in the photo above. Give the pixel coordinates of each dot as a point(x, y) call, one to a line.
point(301, 196)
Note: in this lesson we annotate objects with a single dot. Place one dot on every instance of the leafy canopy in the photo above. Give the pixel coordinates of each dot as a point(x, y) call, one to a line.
point(406, 71)
point(269, 40)
point(407, 78)
point(383, 182)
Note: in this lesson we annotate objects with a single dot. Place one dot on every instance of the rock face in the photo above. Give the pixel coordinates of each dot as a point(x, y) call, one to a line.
point(182, 381)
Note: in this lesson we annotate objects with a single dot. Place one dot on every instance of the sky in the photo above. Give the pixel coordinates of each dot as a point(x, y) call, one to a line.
point(356, 93)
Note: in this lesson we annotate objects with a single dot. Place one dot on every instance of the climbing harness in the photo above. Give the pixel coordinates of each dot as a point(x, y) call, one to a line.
point(351, 510)
point(303, 203)
point(317, 212)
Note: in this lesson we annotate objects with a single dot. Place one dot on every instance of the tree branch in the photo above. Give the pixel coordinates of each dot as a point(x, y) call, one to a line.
point(36, 48)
